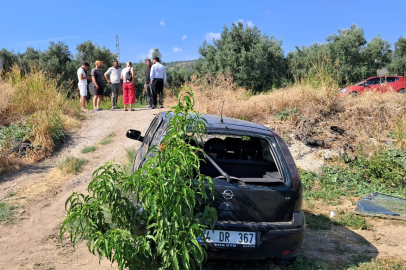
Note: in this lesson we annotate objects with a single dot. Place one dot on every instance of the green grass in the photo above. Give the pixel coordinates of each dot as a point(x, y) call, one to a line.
point(88, 149)
point(108, 139)
point(317, 222)
point(6, 212)
point(130, 158)
point(10, 194)
point(72, 165)
point(352, 221)
point(106, 103)
point(385, 172)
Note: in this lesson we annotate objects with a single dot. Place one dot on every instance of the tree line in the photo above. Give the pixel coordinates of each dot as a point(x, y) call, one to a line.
point(257, 61)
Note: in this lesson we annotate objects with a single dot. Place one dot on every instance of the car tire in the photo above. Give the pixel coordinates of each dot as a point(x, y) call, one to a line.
point(402, 91)
point(353, 94)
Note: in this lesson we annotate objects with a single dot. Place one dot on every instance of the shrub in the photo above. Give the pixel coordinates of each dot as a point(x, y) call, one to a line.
point(72, 165)
point(6, 211)
point(148, 220)
point(88, 149)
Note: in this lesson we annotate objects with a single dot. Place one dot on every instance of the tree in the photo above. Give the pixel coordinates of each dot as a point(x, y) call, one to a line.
point(9, 59)
point(90, 52)
point(348, 52)
point(255, 60)
point(398, 64)
point(149, 220)
point(157, 53)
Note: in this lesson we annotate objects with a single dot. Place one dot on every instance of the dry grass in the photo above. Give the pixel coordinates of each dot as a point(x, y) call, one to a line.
point(35, 101)
point(364, 117)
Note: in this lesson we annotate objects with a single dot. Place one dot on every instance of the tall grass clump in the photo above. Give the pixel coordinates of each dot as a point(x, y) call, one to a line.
point(35, 103)
point(313, 103)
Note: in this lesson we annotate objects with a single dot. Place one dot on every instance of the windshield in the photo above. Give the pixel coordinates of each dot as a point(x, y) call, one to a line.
point(359, 82)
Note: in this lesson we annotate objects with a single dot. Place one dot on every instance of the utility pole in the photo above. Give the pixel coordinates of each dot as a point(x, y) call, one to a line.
point(117, 49)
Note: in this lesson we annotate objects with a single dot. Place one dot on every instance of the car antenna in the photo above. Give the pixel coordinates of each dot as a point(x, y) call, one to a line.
point(221, 114)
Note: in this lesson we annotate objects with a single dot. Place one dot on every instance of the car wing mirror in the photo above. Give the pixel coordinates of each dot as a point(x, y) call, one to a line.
point(134, 135)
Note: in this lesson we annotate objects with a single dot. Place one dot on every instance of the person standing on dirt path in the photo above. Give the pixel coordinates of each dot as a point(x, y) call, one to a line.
point(97, 78)
point(158, 80)
point(115, 73)
point(82, 84)
point(127, 75)
point(147, 84)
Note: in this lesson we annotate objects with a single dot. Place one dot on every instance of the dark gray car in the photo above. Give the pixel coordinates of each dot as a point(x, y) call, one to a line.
point(257, 188)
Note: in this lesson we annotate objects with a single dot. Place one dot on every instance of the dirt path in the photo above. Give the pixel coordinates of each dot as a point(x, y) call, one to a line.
point(32, 242)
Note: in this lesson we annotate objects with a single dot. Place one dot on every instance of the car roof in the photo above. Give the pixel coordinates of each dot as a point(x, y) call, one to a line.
point(230, 125)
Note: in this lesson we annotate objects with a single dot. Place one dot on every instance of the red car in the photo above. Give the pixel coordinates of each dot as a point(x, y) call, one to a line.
point(381, 84)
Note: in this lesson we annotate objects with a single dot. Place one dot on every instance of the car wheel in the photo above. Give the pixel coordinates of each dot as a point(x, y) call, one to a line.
point(402, 91)
point(354, 94)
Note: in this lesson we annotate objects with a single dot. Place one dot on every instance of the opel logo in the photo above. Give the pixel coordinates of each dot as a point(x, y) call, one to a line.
point(228, 194)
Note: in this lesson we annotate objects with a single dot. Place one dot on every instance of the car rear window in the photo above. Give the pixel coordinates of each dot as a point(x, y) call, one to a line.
point(251, 159)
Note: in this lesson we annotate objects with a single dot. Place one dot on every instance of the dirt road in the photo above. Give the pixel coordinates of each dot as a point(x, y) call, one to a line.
point(32, 240)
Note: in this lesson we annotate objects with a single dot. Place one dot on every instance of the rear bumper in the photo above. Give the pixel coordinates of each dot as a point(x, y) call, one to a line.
point(274, 240)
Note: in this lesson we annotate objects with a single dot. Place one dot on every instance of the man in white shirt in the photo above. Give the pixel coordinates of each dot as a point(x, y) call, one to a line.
point(158, 80)
point(82, 84)
point(114, 72)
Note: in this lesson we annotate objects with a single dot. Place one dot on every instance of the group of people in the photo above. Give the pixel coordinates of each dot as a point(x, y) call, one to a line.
point(155, 80)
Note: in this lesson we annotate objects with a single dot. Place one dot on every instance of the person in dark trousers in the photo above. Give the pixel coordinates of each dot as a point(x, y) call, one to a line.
point(158, 80)
point(97, 78)
point(115, 73)
point(147, 84)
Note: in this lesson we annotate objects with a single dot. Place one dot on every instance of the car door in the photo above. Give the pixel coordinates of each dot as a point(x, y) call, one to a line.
point(392, 84)
point(372, 85)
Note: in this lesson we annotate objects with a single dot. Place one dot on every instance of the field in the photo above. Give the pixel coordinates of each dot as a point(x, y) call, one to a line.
point(346, 147)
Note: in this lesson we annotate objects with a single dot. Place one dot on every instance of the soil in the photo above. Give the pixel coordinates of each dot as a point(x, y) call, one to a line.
point(31, 239)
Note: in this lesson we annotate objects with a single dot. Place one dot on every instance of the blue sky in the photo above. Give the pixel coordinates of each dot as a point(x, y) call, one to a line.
point(177, 28)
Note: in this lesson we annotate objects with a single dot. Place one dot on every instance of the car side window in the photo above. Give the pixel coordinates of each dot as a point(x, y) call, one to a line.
point(391, 79)
point(373, 81)
point(150, 133)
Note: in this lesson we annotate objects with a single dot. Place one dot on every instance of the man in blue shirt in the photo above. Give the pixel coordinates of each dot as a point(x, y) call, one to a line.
point(158, 80)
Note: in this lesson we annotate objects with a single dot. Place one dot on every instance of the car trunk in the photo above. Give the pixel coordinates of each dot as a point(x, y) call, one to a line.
point(252, 202)
point(257, 189)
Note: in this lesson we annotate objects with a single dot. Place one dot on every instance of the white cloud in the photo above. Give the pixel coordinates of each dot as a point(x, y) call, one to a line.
point(45, 40)
point(184, 37)
point(210, 36)
point(176, 49)
point(162, 23)
point(148, 55)
point(249, 24)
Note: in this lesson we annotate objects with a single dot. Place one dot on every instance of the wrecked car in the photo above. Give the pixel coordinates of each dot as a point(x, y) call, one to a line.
point(257, 188)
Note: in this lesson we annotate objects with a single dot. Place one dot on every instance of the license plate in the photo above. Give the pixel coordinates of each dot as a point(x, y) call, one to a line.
point(230, 239)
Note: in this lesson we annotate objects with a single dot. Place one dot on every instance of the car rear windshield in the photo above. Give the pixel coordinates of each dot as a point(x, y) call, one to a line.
point(250, 159)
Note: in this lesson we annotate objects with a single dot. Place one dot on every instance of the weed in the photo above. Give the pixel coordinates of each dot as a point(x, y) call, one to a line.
point(6, 212)
point(108, 139)
point(287, 114)
point(10, 194)
point(287, 139)
point(387, 263)
point(88, 149)
point(352, 221)
point(35, 110)
point(72, 165)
